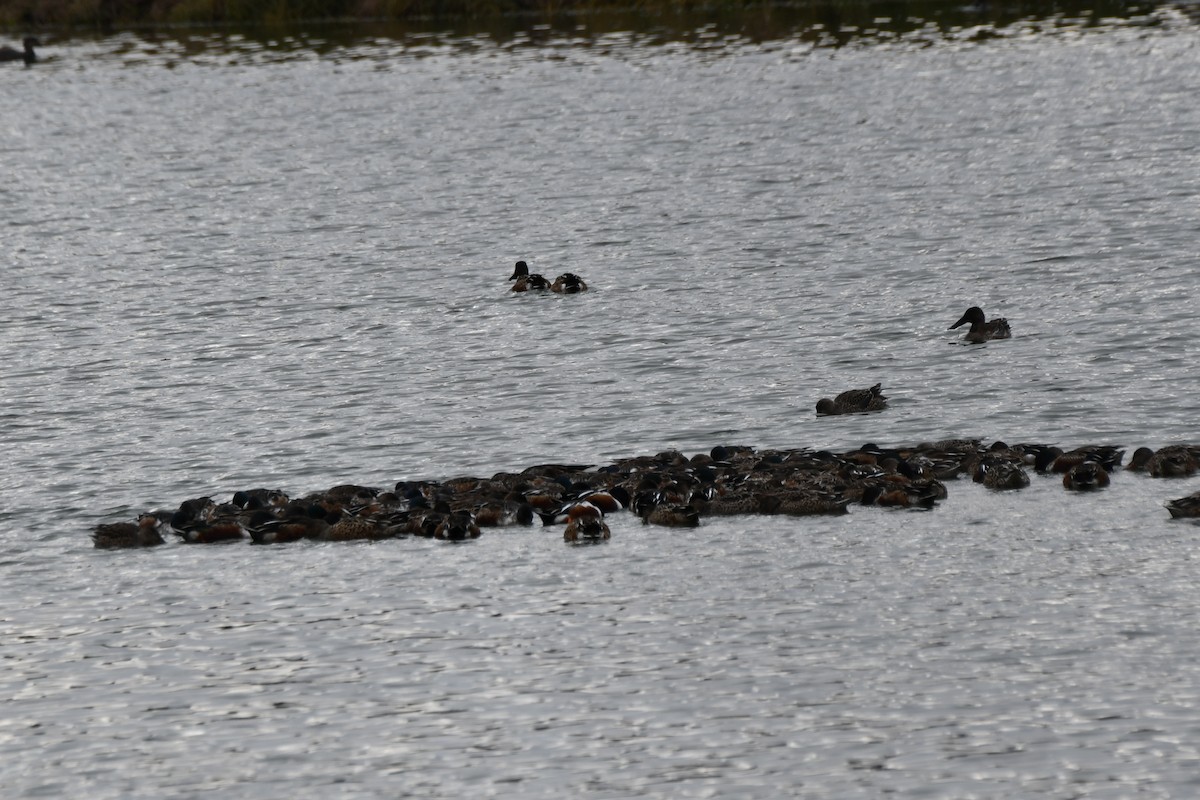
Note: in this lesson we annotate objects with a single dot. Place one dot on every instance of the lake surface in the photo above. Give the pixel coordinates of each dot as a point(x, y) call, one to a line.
point(232, 263)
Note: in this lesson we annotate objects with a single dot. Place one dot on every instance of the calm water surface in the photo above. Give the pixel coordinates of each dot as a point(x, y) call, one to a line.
point(237, 265)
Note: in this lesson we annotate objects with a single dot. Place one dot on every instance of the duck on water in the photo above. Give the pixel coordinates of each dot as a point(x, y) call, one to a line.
point(566, 283)
point(982, 329)
point(27, 55)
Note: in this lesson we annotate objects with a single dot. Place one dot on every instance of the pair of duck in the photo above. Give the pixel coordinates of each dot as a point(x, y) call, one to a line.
point(859, 401)
point(567, 283)
point(27, 55)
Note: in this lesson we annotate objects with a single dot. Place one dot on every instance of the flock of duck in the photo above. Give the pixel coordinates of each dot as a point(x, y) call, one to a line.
point(668, 489)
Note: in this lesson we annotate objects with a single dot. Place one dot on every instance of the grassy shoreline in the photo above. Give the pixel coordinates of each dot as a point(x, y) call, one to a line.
point(108, 15)
point(152, 13)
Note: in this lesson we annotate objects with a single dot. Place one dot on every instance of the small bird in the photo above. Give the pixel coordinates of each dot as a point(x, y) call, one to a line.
point(526, 281)
point(981, 330)
point(27, 55)
point(854, 401)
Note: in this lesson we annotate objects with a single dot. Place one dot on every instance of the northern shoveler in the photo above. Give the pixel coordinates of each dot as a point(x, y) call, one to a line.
point(1106, 455)
point(803, 503)
point(1172, 461)
point(1086, 476)
point(568, 283)
point(265, 528)
point(457, 526)
point(1185, 506)
point(351, 528)
point(911, 494)
point(854, 401)
point(143, 533)
point(221, 530)
point(672, 516)
point(585, 523)
point(982, 330)
point(999, 473)
point(27, 55)
point(525, 281)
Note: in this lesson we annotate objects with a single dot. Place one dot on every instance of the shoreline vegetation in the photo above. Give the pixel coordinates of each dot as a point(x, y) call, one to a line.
point(756, 19)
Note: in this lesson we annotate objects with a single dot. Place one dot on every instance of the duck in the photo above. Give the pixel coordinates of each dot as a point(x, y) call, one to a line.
point(854, 401)
point(526, 281)
point(1185, 507)
point(803, 503)
point(568, 283)
point(265, 528)
point(27, 55)
point(1106, 455)
point(350, 528)
point(143, 533)
point(982, 330)
point(1085, 477)
point(1174, 461)
point(585, 523)
point(457, 526)
point(209, 522)
point(1000, 474)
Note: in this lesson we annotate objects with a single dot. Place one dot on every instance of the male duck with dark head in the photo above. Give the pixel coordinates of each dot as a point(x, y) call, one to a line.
point(526, 281)
point(982, 329)
point(27, 55)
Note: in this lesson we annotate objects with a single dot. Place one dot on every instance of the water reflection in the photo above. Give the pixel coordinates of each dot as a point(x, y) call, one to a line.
point(818, 25)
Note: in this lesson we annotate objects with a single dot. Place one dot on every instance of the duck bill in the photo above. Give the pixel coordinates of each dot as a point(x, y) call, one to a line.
point(962, 321)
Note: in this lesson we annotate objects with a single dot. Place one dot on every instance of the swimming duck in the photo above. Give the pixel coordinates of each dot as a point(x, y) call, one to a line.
point(1106, 455)
point(350, 528)
point(1085, 477)
point(143, 533)
point(526, 281)
point(803, 503)
point(585, 523)
point(999, 473)
point(265, 528)
point(568, 283)
point(854, 401)
point(1185, 506)
point(27, 55)
point(457, 526)
point(1174, 461)
point(981, 330)
point(673, 516)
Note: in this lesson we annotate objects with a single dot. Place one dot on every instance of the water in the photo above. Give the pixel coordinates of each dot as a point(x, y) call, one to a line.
point(236, 265)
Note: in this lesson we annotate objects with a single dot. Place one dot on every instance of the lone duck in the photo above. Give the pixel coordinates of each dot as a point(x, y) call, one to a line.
point(526, 281)
point(981, 330)
point(27, 55)
point(854, 401)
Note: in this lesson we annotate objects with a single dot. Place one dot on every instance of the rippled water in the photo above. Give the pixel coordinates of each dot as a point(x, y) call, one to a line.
point(232, 268)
